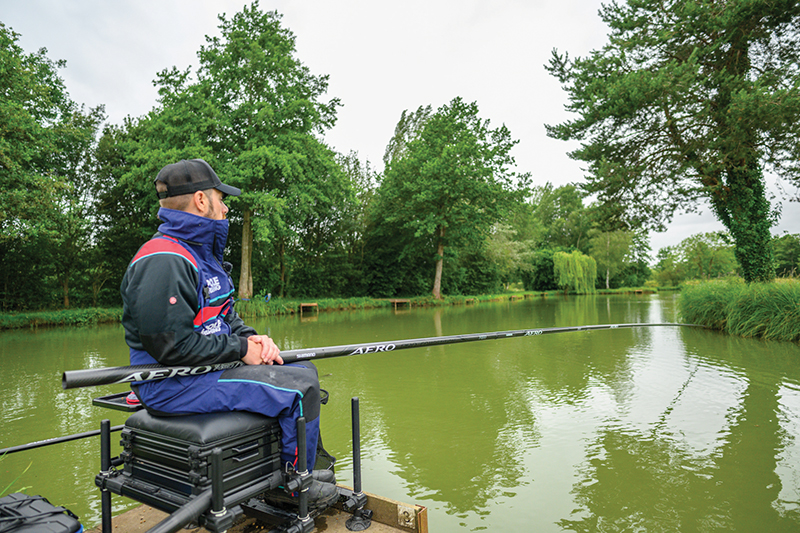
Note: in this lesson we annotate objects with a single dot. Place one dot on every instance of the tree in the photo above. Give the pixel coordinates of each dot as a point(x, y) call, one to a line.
point(707, 255)
point(45, 145)
point(76, 220)
point(268, 103)
point(408, 128)
point(576, 271)
point(33, 104)
point(453, 182)
point(610, 250)
point(363, 179)
point(509, 255)
point(562, 215)
point(689, 100)
point(668, 270)
point(253, 112)
point(540, 276)
point(787, 254)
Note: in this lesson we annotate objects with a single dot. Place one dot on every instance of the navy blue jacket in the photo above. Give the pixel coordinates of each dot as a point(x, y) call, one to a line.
point(178, 297)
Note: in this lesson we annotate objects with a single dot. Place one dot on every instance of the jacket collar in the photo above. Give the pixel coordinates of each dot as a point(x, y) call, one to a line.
point(210, 234)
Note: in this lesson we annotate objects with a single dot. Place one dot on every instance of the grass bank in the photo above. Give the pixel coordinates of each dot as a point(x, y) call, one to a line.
point(767, 310)
point(65, 317)
point(290, 306)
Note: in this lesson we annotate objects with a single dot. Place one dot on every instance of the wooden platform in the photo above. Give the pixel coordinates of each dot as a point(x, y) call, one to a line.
point(308, 306)
point(388, 516)
point(400, 301)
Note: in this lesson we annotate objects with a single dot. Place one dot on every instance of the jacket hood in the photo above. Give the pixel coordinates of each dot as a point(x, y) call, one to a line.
point(210, 234)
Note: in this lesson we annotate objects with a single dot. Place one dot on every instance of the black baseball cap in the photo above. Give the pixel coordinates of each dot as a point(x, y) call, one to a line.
point(188, 176)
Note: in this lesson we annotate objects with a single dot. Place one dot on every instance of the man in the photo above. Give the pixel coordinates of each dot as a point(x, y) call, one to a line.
point(177, 298)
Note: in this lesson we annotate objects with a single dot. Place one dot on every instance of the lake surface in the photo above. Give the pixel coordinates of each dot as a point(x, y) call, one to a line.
point(645, 429)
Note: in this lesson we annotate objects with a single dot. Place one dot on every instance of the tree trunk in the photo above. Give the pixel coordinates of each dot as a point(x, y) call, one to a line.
point(282, 261)
point(608, 259)
point(743, 208)
point(437, 280)
point(246, 274)
point(65, 286)
point(740, 202)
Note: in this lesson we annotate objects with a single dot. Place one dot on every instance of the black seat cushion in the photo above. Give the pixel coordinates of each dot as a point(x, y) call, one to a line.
point(202, 428)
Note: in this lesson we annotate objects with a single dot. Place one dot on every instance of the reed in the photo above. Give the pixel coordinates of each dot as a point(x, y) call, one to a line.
point(8, 487)
point(766, 310)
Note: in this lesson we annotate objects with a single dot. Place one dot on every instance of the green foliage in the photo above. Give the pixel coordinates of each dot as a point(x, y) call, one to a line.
point(699, 256)
point(687, 101)
point(46, 145)
point(575, 271)
point(508, 255)
point(610, 250)
point(67, 317)
point(635, 274)
point(396, 263)
point(786, 251)
point(452, 182)
point(554, 217)
point(540, 276)
point(668, 270)
point(707, 255)
point(767, 310)
point(32, 112)
point(407, 129)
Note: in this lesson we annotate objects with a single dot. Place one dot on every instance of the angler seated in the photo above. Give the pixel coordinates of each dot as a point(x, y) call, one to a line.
point(178, 310)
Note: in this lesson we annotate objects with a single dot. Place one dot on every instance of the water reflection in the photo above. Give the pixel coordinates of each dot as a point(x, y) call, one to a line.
point(708, 462)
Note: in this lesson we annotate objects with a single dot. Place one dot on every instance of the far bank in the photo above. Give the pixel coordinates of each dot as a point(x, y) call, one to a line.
point(262, 307)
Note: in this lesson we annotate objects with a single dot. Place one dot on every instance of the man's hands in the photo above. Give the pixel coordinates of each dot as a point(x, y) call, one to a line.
point(261, 350)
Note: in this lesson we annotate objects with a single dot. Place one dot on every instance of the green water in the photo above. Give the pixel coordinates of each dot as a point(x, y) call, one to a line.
point(656, 429)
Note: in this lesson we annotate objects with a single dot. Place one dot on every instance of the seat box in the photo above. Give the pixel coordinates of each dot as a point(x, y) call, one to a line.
point(175, 452)
point(21, 513)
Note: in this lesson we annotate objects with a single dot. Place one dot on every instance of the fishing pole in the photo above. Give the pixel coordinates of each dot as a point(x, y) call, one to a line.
point(72, 379)
point(55, 440)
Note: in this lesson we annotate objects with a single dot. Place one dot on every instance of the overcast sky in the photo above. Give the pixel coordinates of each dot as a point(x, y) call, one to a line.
point(382, 58)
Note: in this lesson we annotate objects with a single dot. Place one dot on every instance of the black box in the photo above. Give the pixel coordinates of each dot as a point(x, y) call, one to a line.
point(34, 514)
point(174, 453)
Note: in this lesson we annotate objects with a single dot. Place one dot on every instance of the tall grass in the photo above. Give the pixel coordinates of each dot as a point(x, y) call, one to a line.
point(767, 310)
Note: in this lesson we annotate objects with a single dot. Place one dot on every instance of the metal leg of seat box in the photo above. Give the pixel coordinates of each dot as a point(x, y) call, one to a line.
point(105, 471)
point(362, 518)
point(304, 523)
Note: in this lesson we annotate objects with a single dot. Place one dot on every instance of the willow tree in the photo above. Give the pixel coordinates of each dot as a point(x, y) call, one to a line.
point(575, 271)
point(689, 100)
point(452, 181)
